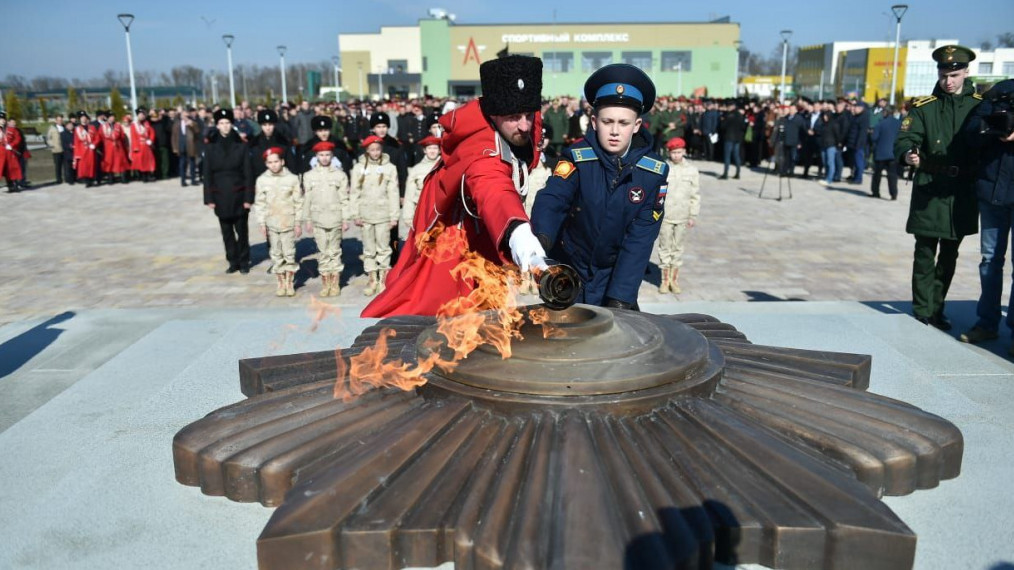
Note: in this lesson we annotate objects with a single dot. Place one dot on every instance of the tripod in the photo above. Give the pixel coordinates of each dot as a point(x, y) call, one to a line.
point(775, 165)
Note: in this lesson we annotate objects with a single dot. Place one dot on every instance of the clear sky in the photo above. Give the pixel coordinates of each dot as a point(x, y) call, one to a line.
point(82, 38)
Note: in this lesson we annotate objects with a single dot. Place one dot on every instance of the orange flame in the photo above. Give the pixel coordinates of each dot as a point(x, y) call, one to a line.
point(541, 316)
point(489, 314)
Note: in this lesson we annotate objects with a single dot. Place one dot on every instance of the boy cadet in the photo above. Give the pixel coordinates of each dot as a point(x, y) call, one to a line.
point(416, 177)
point(943, 209)
point(278, 207)
point(327, 209)
point(322, 125)
point(600, 211)
point(682, 205)
point(374, 204)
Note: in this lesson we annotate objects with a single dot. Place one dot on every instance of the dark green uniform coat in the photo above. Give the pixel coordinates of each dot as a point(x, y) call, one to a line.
point(943, 199)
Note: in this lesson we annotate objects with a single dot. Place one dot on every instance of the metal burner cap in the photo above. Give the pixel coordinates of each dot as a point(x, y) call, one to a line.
point(588, 351)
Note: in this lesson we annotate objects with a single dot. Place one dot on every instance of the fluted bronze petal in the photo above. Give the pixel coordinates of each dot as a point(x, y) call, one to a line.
point(728, 452)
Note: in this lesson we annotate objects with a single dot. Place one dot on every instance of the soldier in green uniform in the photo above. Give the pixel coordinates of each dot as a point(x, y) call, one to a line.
point(943, 208)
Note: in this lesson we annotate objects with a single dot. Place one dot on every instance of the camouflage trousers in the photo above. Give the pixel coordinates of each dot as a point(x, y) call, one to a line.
point(376, 247)
point(329, 247)
point(670, 245)
point(282, 249)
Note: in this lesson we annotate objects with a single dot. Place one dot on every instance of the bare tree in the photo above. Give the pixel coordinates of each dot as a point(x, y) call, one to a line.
point(1005, 40)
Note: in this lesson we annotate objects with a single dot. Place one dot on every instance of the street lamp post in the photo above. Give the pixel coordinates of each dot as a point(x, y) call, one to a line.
point(786, 34)
point(285, 92)
point(735, 81)
point(899, 11)
point(380, 83)
point(126, 20)
point(228, 38)
point(337, 88)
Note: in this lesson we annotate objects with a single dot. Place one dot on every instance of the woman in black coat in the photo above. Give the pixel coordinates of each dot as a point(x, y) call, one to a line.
point(228, 190)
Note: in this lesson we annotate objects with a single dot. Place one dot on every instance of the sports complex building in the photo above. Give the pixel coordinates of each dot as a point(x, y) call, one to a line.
point(441, 58)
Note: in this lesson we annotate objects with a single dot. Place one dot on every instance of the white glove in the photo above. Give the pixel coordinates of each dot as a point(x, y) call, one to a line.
point(526, 249)
point(148, 143)
point(91, 147)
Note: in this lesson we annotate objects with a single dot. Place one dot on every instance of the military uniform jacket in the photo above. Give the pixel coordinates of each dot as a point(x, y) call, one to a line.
point(683, 199)
point(375, 190)
point(279, 201)
point(226, 175)
point(327, 197)
point(943, 200)
point(601, 215)
point(413, 188)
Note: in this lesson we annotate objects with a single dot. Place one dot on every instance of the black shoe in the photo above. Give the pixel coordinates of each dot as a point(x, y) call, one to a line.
point(183, 183)
point(923, 320)
point(723, 177)
point(874, 195)
point(940, 321)
point(894, 197)
point(245, 269)
point(232, 269)
point(736, 177)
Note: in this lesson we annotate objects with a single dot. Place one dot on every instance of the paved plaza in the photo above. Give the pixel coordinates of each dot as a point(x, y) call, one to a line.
point(118, 327)
point(157, 245)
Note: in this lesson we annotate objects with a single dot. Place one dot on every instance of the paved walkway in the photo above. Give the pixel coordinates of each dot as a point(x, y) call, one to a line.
point(155, 245)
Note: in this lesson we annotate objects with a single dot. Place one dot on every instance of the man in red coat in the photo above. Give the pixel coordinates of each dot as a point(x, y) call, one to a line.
point(86, 140)
point(142, 140)
point(475, 192)
point(10, 168)
point(114, 150)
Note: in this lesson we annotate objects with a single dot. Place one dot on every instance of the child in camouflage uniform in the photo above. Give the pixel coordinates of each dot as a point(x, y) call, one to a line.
point(327, 208)
point(374, 205)
point(278, 208)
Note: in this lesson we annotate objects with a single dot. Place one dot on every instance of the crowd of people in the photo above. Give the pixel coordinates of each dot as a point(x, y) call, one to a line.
point(329, 165)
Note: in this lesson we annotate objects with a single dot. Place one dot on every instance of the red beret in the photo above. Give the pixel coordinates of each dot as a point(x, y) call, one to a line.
point(273, 150)
point(323, 146)
point(372, 139)
point(675, 142)
point(427, 141)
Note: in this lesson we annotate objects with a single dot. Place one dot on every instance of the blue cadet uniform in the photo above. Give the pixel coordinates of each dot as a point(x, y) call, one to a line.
point(601, 213)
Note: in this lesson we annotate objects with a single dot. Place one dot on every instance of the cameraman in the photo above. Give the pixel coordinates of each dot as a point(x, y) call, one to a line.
point(989, 130)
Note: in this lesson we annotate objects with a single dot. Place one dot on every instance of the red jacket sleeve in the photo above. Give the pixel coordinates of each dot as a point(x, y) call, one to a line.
point(497, 202)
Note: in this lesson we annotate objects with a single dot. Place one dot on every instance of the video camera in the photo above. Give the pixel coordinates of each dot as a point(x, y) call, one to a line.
point(1000, 122)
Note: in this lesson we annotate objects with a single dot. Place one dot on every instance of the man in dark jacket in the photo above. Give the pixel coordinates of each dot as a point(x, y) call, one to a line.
point(228, 191)
point(789, 138)
point(856, 140)
point(733, 129)
point(884, 136)
point(67, 140)
point(994, 187)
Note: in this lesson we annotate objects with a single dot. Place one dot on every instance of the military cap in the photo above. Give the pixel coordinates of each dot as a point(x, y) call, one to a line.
point(3, 115)
point(101, 113)
point(321, 123)
point(82, 114)
point(428, 140)
point(273, 150)
point(511, 85)
point(323, 146)
point(676, 142)
point(141, 110)
point(620, 84)
point(953, 57)
point(380, 118)
point(266, 116)
point(372, 139)
point(222, 114)
point(432, 120)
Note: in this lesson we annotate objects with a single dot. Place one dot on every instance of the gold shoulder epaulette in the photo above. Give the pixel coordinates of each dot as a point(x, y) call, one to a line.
point(923, 100)
point(976, 96)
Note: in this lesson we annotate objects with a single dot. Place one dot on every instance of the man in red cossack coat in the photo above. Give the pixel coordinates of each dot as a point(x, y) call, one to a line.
point(114, 150)
point(86, 141)
point(10, 168)
point(475, 192)
point(142, 141)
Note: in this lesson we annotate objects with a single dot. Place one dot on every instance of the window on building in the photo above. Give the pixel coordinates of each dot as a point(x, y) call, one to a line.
point(1008, 69)
point(592, 60)
point(397, 66)
point(986, 68)
point(558, 61)
point(641, 59)
point(673, 60)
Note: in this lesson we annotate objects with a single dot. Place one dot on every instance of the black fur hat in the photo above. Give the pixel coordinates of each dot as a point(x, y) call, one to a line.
point(380, 118)
point(265, 116)
point(222, 114)
point(321, 122)
point(511, 84)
